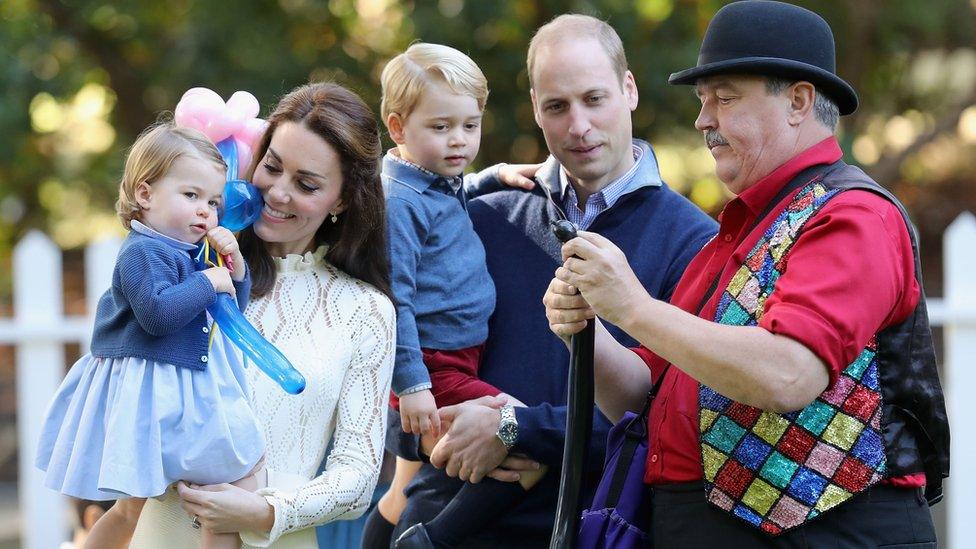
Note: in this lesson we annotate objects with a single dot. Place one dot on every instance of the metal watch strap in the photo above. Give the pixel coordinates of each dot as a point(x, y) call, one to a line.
point(508, 426)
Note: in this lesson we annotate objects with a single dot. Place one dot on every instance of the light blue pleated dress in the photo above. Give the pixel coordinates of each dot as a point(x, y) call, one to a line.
point(130, 427)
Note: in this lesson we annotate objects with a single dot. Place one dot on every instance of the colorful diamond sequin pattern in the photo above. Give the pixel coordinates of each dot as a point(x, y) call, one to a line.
point(776, 471)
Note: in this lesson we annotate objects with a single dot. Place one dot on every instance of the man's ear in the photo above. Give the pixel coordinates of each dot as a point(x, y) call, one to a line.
point(143, 195)
point(630, 90)
point(802, 96)
point(394, 123)
point(535, 108)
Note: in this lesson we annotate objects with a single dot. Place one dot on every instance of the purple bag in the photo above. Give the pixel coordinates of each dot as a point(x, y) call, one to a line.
point(618, 517)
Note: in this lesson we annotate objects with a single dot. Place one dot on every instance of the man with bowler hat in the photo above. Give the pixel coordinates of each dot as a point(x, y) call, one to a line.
point(798, 399)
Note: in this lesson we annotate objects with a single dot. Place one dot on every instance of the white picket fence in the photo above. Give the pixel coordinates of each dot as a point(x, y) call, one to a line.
point(39, 330)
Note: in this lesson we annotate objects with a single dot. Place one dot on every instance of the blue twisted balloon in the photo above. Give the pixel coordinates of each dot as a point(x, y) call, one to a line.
point(242, 207)
point(242, 201)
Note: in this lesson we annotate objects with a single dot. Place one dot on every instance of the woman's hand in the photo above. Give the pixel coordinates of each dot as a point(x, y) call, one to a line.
point(225, 508)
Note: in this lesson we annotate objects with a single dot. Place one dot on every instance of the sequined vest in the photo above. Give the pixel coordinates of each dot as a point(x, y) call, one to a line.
point(883, 417)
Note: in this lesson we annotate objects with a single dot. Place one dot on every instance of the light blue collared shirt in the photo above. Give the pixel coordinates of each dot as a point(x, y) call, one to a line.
point(643, 173)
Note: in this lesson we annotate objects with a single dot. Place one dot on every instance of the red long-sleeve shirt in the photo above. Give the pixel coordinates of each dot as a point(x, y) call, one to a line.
point(851, 273)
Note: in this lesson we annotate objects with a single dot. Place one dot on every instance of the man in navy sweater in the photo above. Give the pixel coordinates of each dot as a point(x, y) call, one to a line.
point(604, 181)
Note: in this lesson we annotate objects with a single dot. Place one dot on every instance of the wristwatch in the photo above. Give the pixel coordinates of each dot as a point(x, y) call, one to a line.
point(508, 427)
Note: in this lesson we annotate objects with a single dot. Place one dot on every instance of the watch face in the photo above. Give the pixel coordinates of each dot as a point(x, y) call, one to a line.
point(507, 433)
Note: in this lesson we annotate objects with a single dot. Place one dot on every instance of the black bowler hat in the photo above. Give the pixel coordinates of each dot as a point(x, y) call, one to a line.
point(771, 39)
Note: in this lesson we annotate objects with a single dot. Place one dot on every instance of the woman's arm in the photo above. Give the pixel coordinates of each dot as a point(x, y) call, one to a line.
point(345, 487)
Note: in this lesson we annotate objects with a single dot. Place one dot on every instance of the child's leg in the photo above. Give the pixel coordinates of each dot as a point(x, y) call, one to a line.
point(383, 518)
point(377, 532)
point(393, 501)
point(477, 505)
point(115, 527)
point(474, 507)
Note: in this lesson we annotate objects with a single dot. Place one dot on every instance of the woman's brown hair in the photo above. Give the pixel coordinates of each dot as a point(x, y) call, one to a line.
point(357, 241)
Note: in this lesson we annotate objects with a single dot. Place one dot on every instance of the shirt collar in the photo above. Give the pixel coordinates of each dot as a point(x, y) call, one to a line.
point(644, 173)
point(414, 176)
point(757, 197)
point(146, 230)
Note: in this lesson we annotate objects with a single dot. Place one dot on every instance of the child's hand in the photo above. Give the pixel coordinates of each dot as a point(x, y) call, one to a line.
point(418, 413)
point(518, 175)
point(225, 243)
point(220, 278)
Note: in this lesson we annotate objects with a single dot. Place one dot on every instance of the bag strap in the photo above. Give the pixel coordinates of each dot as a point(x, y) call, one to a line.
point(634, 434)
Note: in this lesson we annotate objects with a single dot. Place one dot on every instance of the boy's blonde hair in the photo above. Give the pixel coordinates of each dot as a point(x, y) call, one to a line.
point(406, 76)
point(152, 156)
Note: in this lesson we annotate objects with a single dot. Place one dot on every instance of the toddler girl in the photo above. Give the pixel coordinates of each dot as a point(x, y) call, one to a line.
point(162, 396)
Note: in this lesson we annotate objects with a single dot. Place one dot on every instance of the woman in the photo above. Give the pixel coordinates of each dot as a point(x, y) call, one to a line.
point(321, 295)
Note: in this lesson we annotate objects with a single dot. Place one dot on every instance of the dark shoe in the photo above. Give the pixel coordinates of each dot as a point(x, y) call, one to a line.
point(414, 537)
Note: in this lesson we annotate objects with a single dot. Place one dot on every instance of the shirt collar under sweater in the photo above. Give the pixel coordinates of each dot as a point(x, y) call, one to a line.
point(144, 229)
point(417, 177)
point(644, 173)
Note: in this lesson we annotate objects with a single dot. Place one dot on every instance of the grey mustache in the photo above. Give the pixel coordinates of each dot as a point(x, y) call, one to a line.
point(713, 138)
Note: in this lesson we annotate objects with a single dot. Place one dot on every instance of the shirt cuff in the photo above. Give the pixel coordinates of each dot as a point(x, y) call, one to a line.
point(813, 332)
point(276, 481)
point(409, 370)
point(416, 389)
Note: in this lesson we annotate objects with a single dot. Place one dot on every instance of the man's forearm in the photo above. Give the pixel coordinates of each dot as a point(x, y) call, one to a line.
point(621, 378)
point(746, 364)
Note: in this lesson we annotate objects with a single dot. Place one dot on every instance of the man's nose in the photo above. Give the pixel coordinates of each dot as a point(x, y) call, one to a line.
point(579, 122)
point(706, 118)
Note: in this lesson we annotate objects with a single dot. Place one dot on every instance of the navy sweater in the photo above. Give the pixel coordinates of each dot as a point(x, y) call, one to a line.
point(658, 230)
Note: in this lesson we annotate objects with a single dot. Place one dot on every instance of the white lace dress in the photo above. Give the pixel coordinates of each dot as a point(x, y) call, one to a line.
point(339, 332)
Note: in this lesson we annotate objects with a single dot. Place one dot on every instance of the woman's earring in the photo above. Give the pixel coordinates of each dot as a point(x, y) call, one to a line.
point(335, 217)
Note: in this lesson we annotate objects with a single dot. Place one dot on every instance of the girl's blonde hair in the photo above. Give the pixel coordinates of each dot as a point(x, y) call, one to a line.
point(405, 77)
point(152, 156)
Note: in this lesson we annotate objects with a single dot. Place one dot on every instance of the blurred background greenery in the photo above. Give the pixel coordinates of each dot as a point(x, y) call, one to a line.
point(81, 78)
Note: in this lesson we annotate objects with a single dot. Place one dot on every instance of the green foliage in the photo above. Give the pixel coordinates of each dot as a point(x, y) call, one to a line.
point(144, 55)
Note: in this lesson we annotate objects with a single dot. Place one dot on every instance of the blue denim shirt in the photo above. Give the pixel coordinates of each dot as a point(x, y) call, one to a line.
point(443, 292)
